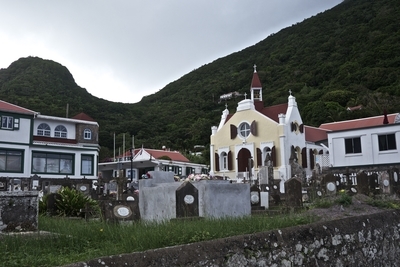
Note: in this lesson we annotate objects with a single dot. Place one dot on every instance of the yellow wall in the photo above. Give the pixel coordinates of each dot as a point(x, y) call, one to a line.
point(267, 131)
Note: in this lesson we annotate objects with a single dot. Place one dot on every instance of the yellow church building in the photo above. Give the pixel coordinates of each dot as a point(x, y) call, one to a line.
point(256, 136)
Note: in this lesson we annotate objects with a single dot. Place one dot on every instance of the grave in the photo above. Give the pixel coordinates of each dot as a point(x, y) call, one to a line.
point(19, 210)
point(330, 183)
point(255, 197)
point(385, 183)
point(216, 198)
point(394, 178)
point(373, 183)
point(187, 201)
point(293, 192)
point(363, 183)
point(117, 211)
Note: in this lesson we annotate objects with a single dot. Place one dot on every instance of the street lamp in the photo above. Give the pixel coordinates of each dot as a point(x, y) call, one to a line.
point(131, 164)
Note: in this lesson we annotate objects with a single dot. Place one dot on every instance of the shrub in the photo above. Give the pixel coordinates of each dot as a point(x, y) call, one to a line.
point(72, 202)
point(344, 199)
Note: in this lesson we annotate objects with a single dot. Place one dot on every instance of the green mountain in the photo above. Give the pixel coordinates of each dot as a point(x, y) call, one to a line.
point(343, 57)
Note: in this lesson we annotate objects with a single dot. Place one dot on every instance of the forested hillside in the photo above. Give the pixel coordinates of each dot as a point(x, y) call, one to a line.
point(346, 56)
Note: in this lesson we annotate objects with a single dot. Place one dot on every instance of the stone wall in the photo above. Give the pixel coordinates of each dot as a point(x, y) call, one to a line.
point(369, 240)
point(19, 210)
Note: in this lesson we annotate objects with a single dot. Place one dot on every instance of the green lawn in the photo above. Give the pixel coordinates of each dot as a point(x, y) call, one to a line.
point(74, 240)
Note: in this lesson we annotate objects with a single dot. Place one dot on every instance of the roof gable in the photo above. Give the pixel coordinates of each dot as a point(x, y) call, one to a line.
point(8, 107)
point(83, 117)
point(145, 154)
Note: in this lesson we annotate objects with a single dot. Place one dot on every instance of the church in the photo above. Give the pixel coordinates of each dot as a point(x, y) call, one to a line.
point(256, 136)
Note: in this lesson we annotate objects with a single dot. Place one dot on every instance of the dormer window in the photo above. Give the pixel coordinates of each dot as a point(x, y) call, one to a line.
point(60, 131)
point(43, 129)
point(87, 134)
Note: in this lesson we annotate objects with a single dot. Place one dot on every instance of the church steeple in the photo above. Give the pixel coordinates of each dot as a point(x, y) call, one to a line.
point(255, 88)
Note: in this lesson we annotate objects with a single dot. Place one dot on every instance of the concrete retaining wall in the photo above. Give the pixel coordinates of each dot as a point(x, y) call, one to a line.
point(372, 240)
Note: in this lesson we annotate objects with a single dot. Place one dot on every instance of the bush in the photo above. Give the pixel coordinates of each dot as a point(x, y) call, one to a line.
point(344, 199)
point(71, 202)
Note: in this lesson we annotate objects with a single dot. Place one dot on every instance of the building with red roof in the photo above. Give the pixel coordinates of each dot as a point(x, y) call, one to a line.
point(136, 163)
point(254, 137)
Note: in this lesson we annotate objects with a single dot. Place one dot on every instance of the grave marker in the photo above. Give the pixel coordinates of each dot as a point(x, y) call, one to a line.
point(293, 192)
point(187, 201)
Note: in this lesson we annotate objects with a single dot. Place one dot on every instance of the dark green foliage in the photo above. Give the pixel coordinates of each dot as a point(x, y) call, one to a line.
point(346, 56)
point(72, 202)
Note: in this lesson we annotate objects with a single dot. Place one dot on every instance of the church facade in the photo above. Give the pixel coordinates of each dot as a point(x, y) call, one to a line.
point(256, 136)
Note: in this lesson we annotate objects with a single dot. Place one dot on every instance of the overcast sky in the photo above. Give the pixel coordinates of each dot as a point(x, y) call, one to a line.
point(122, 50)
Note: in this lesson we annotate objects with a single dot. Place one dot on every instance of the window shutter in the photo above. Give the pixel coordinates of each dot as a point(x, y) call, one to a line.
point(259, 156)
point(273, 156)
point(301, 128)
point(233, 131)
point(16, 123)
point(216, 162)
point(304, 157)
point(230, 167)
point(311, 159)
point(253, 128)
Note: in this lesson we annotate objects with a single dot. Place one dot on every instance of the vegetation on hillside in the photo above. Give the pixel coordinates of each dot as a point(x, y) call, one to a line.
point(343, 57)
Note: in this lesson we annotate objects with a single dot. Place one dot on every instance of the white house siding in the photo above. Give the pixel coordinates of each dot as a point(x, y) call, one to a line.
point(23, 139)
point(370, 154)
point(20, 136)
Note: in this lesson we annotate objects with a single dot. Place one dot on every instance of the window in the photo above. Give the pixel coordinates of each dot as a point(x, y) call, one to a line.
point(43, 129)
point(11, 160)
point(244, 129)
point(353, 145)
point(7, 122)
point(387, 142)
point(60, 131)
point(87, 134)
point(52, 163)
point(87, 165)
point(175, 169)
point(133, 174)
point(224, 161)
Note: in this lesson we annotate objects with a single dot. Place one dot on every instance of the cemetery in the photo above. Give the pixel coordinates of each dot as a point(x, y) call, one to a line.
point(162, 199)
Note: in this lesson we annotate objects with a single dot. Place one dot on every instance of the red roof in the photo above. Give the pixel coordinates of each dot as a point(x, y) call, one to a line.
point(255, 82)
point(157, 153)
point(5, 106)
point(272, 112)
point(357, 123)
point(83, 117)
point(315, 134)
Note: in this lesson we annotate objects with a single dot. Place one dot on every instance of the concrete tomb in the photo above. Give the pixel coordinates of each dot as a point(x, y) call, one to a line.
point(19, 211)
point(161, 198)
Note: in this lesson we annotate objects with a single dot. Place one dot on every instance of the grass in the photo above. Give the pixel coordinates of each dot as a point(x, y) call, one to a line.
point(77, 240)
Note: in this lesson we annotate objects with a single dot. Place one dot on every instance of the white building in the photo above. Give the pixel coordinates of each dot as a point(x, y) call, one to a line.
point(143, 160)
point(47, 146)
point(364, 142)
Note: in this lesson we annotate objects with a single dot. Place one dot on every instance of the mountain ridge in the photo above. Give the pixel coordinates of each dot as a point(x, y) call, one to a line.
point(346, 56)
